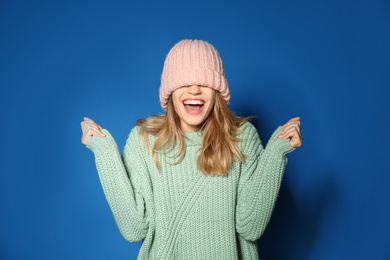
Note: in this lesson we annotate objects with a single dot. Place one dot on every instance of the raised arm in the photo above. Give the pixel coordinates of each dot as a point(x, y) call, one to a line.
point(259, 182)
point(123, 193)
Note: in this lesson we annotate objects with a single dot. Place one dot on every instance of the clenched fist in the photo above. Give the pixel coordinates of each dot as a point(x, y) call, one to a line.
point(292, 130)
point(90, 128)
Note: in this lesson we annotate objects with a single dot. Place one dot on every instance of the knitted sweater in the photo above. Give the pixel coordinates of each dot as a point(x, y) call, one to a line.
point(183, 214)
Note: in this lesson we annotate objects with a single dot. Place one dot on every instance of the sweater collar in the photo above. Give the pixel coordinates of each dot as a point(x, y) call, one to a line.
point(193, 138)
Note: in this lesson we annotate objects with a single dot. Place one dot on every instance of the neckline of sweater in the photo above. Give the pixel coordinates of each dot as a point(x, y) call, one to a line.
point(193, 138)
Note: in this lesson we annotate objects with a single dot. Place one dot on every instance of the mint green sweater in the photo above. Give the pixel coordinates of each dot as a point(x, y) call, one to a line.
point(183, 214)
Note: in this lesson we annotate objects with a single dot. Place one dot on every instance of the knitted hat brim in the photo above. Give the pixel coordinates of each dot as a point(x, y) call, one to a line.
point(193, 76)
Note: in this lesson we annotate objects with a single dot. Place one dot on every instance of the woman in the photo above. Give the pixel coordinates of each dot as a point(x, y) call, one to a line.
point(195, 182)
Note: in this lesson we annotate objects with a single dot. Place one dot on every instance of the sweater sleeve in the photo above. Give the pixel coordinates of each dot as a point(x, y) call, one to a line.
point(260, 181)
point(118, 177)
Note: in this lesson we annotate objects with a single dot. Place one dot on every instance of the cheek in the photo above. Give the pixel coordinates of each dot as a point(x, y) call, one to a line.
point(210, 108)
point(176, 97)
point(177, 107)
point(211, 104)
point(175, 101)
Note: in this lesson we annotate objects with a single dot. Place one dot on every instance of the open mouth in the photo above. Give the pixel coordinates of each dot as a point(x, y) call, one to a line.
point(193, 109)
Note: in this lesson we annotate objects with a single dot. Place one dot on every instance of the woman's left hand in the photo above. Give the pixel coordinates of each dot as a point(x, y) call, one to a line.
point(292, 130)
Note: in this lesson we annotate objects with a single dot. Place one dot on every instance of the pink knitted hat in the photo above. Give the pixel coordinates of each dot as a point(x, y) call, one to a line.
point(192, 62)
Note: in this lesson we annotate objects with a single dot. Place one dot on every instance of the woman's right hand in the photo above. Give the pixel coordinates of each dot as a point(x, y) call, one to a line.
point(90, 128)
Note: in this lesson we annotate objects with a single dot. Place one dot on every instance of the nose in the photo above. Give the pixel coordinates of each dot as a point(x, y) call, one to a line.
point(194, 90)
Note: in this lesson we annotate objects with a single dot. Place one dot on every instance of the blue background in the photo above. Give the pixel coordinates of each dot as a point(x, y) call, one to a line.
point(325, 61)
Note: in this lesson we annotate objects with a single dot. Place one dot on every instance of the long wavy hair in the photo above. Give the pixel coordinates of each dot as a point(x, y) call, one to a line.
point(219, 142)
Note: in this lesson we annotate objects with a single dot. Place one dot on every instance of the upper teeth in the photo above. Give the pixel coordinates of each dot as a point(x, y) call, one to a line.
point(193, 102)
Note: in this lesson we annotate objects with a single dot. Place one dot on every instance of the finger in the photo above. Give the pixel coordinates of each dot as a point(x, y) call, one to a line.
point(87, 124)
point(97, 129)
point(88, 119)
point(295, 141)
point(286, 135)
point(89, 127)
point(95, 132)
point(294, 119)
point(287, 125)
point(98, 126)
point(83, 126)
point(292, 122)
point(289, 133)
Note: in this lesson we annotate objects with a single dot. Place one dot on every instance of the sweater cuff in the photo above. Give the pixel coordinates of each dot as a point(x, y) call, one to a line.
point(280, 144)
point(100, 143)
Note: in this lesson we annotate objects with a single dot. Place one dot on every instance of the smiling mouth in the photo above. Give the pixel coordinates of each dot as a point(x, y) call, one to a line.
point(193, 109)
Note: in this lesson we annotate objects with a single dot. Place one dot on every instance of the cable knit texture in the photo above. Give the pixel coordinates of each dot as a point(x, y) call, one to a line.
point(183, 214)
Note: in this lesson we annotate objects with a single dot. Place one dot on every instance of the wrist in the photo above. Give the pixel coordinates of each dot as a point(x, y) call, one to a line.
point(280, 144)
point(100, 143)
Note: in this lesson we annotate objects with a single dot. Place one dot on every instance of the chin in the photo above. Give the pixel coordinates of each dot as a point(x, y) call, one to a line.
point(194, 123)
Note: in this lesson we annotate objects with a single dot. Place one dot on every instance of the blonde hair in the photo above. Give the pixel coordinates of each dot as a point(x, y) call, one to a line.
point(219, 142)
